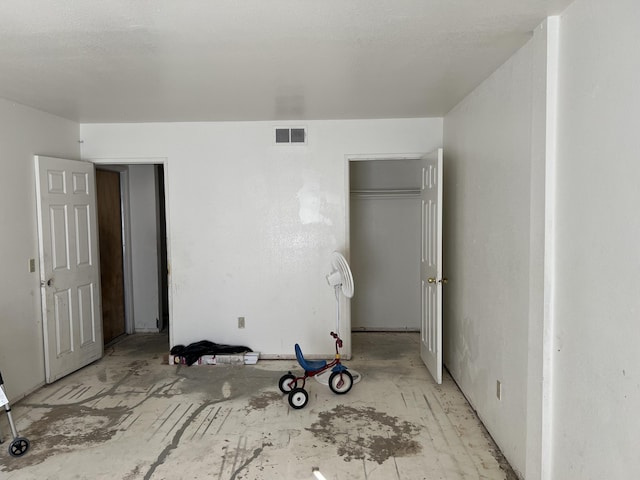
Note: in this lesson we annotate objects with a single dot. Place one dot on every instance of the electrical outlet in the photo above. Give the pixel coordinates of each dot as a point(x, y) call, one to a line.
point(499, 389)
point(32, 265)
point(240, 322)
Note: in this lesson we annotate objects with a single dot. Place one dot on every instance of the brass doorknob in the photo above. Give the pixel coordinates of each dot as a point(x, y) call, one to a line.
point(445, 280)
point(431, 280)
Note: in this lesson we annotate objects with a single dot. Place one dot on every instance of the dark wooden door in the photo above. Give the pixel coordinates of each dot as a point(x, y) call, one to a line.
point(111, 268)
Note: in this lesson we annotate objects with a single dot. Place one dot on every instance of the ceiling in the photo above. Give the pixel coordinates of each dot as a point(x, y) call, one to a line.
point(217, 60)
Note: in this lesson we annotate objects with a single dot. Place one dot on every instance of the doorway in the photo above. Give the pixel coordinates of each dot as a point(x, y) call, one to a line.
point(385, 248)
point(133, 249)
point(384, 225)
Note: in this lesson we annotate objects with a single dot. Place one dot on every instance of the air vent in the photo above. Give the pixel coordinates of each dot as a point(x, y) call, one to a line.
point(294, 136)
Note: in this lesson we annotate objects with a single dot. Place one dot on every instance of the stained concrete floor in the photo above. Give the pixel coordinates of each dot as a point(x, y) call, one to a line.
point(129, 416)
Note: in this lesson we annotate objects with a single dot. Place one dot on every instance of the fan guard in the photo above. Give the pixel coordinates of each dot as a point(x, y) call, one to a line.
point(341, 275)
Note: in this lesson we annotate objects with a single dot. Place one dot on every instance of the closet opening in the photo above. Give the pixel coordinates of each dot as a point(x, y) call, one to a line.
point(385, 250)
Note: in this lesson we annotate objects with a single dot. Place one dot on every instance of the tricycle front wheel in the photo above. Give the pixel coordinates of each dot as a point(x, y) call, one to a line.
point(341, 382)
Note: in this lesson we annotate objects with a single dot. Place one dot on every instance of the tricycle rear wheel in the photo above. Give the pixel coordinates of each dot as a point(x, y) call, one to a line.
point(298, 398)
point(287, 383)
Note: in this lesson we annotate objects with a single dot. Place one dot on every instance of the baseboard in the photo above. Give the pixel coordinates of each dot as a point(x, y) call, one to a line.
point(384, 329)
point(286, 356)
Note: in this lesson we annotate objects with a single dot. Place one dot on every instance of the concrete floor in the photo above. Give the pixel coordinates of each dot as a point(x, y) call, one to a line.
point(129, 416)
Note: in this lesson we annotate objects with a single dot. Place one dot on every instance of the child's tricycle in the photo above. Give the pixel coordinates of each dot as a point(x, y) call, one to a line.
point(340, 380)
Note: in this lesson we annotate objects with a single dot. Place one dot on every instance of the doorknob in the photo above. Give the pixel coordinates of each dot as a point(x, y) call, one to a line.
point(431, 280)
point(445, 280)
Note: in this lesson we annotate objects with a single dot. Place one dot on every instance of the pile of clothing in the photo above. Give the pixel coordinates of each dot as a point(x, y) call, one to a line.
point(191, 353)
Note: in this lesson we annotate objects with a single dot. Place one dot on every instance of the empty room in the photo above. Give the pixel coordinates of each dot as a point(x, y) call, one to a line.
point(434, 201)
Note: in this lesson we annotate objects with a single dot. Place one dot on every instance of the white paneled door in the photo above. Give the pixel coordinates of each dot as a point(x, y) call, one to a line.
point(69, 265)
point(431, 264)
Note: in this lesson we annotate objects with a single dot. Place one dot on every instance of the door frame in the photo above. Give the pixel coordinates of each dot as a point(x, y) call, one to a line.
point(120, 164)
point(366, 157)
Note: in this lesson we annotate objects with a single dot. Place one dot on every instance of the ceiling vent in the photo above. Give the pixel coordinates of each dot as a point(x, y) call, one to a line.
point(293, 136)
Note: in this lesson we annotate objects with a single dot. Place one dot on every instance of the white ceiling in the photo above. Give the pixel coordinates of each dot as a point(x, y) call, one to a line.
point(188, 60)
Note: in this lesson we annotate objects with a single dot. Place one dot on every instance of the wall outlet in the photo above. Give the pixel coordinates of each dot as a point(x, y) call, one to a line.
point(499, 389)
point(240, 322)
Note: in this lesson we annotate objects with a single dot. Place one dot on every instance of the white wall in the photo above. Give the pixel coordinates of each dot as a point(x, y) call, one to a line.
point(252, 225)
point(144, 247)
point(493, 221)
point(596, 388)
point(24, 132)
point(586, 195)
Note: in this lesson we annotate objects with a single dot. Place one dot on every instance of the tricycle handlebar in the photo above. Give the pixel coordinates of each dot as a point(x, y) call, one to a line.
point(338, 339)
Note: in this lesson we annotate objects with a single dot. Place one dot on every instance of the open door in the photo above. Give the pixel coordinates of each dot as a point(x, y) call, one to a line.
point(431, 264)
point(111, 257)
point(69, 265)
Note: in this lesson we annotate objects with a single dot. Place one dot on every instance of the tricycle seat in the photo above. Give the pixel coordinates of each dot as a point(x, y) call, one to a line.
point(309, 365)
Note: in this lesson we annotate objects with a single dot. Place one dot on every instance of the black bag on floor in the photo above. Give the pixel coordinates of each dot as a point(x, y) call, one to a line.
point(191, 353)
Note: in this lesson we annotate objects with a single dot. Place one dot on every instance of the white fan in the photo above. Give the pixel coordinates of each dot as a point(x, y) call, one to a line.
point(341, 276)
point(340, 279)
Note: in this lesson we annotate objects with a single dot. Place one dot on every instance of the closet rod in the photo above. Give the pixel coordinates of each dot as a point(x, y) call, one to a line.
point(386, 193)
